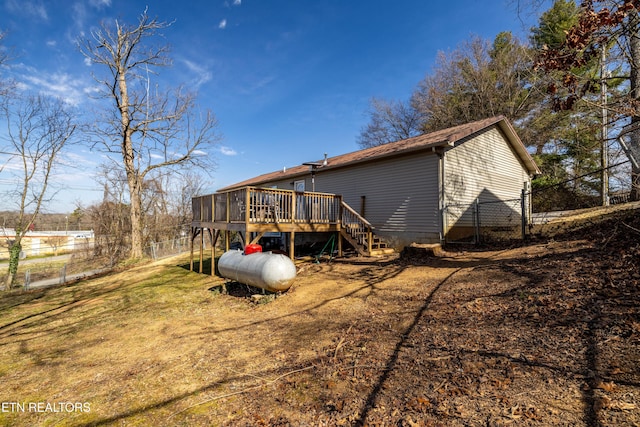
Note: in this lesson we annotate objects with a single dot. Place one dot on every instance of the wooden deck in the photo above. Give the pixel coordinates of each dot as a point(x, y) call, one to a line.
point(252, 209)
point(255, 211)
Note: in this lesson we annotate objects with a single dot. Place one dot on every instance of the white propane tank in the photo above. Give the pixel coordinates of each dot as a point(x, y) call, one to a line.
point(265, 270)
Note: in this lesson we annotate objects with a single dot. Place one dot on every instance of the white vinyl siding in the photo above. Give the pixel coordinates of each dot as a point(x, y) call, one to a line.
point(484, 169)
point(289, 183)
point(400, 194)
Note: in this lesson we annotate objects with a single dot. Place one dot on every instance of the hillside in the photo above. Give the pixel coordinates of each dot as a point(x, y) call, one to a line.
point(542, 334)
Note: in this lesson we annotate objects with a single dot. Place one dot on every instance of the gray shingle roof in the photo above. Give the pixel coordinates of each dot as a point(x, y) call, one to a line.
point(427, 141)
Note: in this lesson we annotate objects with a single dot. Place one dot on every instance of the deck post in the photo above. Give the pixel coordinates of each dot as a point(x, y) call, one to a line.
point(216, 233)
point(292, 246)
point(339, 221)
point(212, 234)
point(201, 250)
point(193, 230)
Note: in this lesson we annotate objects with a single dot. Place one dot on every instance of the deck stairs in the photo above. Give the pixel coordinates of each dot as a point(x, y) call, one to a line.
point(360, 234)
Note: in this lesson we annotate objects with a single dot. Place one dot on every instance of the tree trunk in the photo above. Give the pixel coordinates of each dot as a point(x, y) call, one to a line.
point(14, 259)
point(634, 47)
point(134, 179)
point(135, 190)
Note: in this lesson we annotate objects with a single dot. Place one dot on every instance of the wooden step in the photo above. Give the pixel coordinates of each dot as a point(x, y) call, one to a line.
point(380, 252)
point(358, 240)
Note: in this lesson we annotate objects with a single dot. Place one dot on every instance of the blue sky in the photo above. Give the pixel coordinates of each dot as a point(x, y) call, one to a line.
point(287, 80)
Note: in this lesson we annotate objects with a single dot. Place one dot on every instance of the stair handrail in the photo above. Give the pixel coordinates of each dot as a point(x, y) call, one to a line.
point(362, 223)
point(356, 214)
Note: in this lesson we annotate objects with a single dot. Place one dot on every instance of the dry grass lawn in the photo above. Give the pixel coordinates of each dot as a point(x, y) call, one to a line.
point(544, 334)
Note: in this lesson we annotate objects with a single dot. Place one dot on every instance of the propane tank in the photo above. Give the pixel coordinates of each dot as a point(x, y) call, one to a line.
point(265, 270)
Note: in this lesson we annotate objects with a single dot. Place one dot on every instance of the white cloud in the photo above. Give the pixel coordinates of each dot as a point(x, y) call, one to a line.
point(82, 158)
point(79, 17)
point(33, 8)
point(203, 74)
point(60, 85)
point(51, 43)
point(98, 4)
point(87, 62)
point(227, 151)
point(92, 90)
point(237, 2)
point(21, 86)
point(223, 24)
point(11, 165)
point(257, 85)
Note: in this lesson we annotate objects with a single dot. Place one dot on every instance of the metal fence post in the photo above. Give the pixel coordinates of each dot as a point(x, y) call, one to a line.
point(445, 223)
point(476, 219)
point(27, 280)
point(63, 274)
point(154, 251)
point(523, 208)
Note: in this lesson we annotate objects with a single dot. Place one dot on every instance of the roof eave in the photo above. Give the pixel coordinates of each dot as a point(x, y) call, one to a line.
point(520, 148)
point(288, 175)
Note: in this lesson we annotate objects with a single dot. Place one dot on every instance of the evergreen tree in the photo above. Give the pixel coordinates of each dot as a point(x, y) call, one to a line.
point(604, 29)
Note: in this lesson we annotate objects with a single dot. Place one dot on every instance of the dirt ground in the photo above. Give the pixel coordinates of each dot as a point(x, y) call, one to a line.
point(544, 334)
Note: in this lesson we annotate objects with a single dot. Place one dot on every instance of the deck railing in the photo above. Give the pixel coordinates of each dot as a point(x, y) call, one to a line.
point(360, 230)
point(253, 205)
point(267, 208)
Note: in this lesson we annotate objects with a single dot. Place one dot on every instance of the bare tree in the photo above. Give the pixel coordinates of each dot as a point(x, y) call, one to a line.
point(56, 242)
point(110, 219)
point(390, 121)
point(38, 129)
point(4, 58)
point(175, 202)
point(479, 80)
point(147, 128)
point(189, 186)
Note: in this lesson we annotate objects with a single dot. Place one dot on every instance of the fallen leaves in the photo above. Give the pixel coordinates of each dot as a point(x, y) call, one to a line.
point(517, 411)
point(551, 339)
point(606, 386)
point(606, 403)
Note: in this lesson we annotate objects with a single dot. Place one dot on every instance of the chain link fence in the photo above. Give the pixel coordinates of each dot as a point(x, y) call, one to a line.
point(584, 191)
point(482, 222)
point(54, 270)
point(168, 248)
point(40, 272)
point(514, 219)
